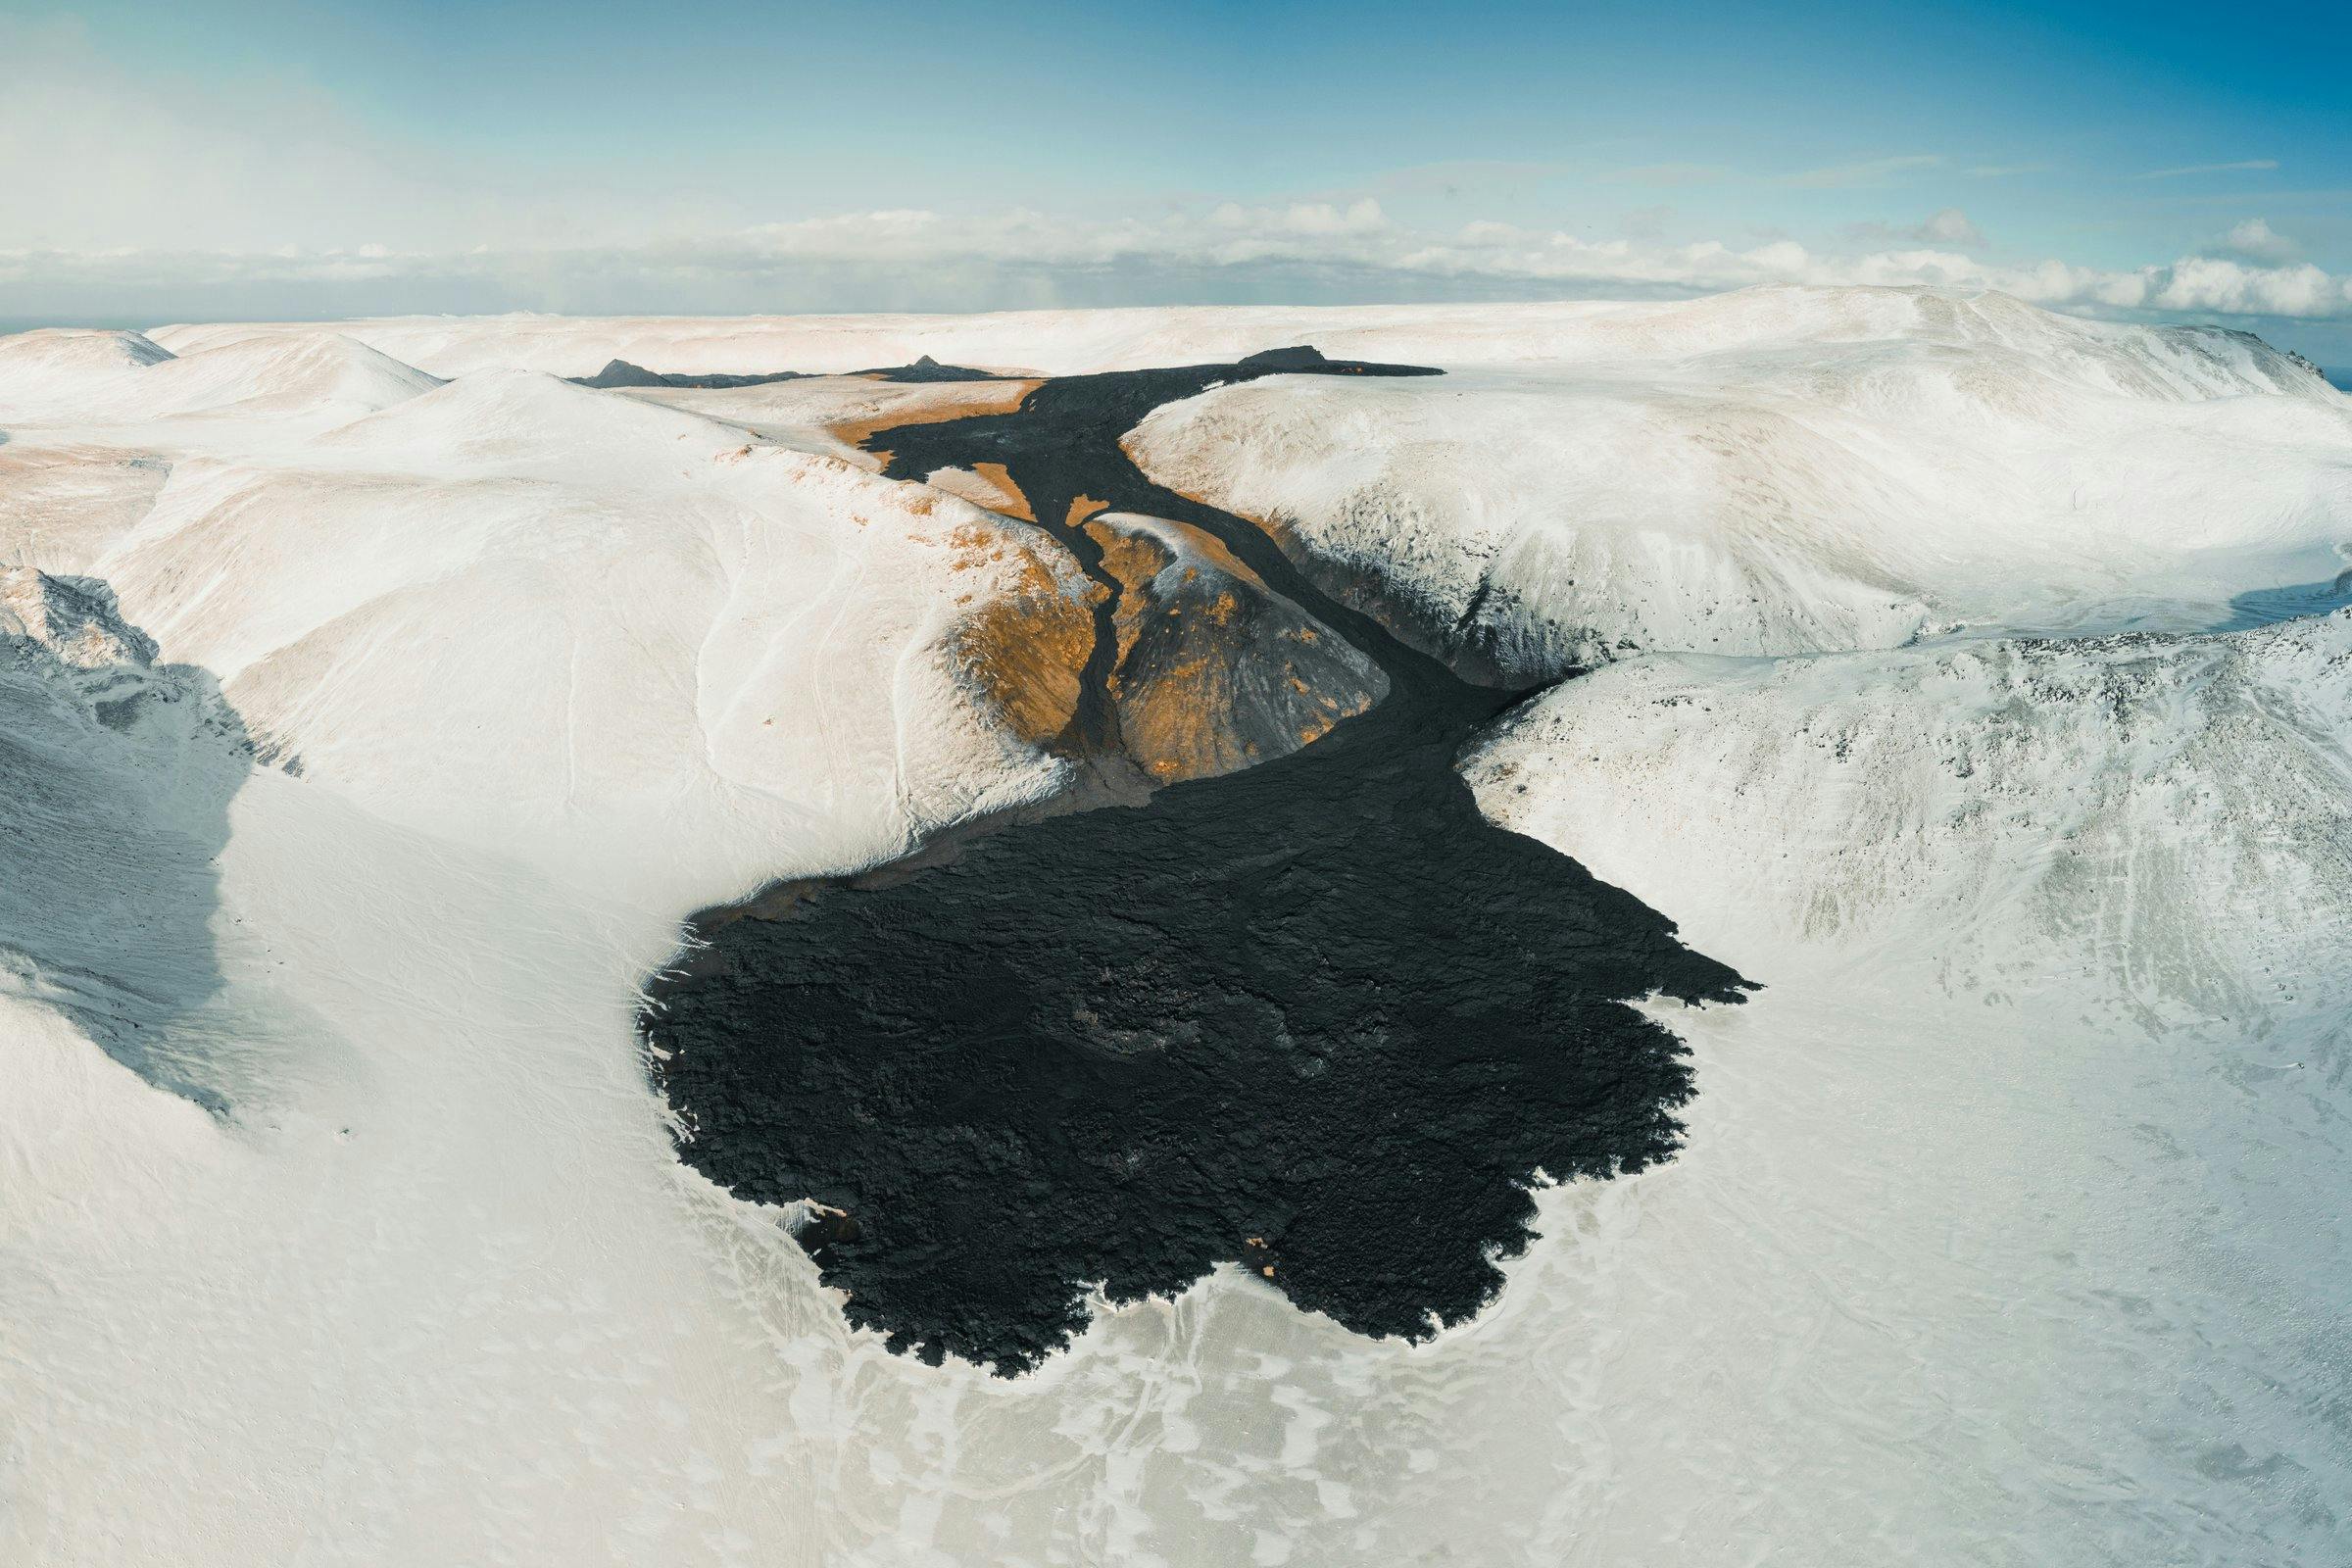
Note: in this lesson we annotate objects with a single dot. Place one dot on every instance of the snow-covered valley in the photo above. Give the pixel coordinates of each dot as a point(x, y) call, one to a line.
point(339, 1221)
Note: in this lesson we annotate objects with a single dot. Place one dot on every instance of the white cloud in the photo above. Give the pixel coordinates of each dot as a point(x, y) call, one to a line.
point(2242, 166)
point(1870, 172)
point(899, 257)
point(2256, 241)
point(1672, 174)
point(2205, 284)
point(138, 194)
point(1951, 227)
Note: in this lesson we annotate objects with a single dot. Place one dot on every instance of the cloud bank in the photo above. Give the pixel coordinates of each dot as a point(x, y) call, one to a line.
point(913, 259)
point(137, 197)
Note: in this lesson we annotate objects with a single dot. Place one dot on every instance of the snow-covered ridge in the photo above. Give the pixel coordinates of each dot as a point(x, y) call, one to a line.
point(2034, 1146)
point(1068, 342)
point(2162, 821)
point(1780, 472)
point(56, 374)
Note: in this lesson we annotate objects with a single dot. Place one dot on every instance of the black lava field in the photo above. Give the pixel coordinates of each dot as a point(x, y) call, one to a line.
point(1318, 1019)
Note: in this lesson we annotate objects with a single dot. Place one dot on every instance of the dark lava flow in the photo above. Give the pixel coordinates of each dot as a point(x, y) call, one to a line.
point(1318, 1018)
point(618, 373)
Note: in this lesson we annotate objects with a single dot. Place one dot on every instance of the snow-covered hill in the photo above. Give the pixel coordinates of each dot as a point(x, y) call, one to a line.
point(1789, 471)
point(1070, 342)
point(315, 376)
point(2033, 1151)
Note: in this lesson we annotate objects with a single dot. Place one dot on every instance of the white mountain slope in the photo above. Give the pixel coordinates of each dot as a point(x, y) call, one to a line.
point(637, 642)
point(1766, 472)
point(2010, 1227)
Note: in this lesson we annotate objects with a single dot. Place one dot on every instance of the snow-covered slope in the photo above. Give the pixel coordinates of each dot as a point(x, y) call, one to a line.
point(2164, 822)
point(627, 640)
point(2030, 1164)
point(1780, 472)
point(1068, 342)
point(63, 361)
point(118, 772)
point(319, 376)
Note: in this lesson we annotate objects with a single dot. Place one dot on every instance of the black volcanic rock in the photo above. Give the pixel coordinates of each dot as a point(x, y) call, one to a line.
point(620, 374)
point(1304, 358)
point(1318, 1019)
point(1321, 1003)
point(928, 368)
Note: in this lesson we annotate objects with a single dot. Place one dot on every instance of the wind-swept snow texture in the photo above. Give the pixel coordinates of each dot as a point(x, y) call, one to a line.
point(2008, 1229)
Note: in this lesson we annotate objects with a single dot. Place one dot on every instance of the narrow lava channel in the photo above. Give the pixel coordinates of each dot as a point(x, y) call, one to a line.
point(1318, 1018)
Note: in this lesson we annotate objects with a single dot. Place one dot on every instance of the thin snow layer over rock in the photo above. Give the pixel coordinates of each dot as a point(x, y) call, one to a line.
point(1771, 472)
point(116, 772)
point(1216, 671)
point(2028, 1169)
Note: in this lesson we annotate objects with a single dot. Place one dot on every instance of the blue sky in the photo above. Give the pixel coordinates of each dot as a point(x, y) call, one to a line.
point(262, 157)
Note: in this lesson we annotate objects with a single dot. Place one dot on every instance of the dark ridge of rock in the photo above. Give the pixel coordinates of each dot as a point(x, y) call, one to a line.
point(1318, 1019)
point(928, 368)
point(1303, 357)
point(1216, 671)
point(619, 375)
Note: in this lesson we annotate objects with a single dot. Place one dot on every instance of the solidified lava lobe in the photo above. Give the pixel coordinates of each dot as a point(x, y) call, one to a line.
point(1317, 1019)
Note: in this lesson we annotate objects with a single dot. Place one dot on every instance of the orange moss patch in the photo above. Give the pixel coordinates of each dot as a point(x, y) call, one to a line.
point(1083, 508)
point(1180, 702)
point(984, 484)
point(1026, 647)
